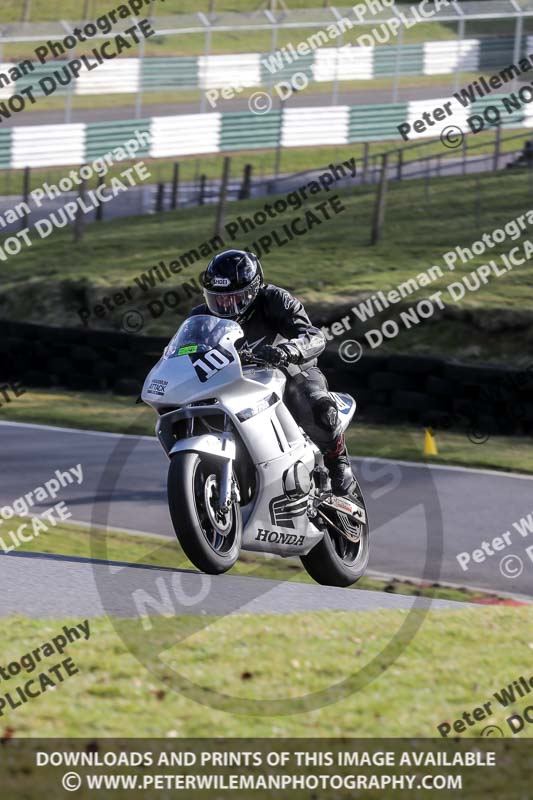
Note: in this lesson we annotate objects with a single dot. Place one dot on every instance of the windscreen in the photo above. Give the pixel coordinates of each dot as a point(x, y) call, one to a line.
point(199, 334)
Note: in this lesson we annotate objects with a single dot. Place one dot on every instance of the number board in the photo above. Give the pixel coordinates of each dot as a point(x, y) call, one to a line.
point(208, 364)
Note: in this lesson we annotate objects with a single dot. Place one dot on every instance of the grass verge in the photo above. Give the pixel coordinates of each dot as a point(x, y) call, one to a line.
point(72, 539)
point(332, 264)
point(233, 41)
point(473, 652)
point(293, 159)
point(107, 412)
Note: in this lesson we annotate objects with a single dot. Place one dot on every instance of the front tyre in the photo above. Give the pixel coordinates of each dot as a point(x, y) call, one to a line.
point(335, 560)
point(211, 540)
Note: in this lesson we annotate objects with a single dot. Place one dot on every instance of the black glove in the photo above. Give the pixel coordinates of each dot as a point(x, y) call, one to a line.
point(291, 351)
point(272, 355)
point(278, 356)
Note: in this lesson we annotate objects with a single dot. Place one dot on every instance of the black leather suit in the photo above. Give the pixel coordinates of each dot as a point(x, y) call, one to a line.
point(276, 316)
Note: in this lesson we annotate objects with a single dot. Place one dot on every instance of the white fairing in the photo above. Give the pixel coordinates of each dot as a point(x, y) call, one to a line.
point(251, 397)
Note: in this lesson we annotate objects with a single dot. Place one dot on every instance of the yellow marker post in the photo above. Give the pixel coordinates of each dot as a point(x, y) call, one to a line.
point(430, 445)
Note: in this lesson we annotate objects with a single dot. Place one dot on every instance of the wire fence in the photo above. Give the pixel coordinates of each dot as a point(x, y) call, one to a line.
point(224, 12)
point(476, 202)
point(393, 185)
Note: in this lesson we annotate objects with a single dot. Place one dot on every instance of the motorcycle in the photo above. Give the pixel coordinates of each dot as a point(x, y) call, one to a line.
point(243, 475)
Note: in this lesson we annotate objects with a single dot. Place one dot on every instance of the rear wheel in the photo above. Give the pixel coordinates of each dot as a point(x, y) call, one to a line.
point(210, 539)
point(337, 561)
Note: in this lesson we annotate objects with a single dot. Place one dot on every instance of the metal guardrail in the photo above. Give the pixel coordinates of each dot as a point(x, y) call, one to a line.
point(178, 74)
point(299, 21)
point(265, 18)
point(178, 136)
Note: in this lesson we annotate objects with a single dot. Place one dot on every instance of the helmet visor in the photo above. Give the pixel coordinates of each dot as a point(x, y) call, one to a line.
point(230, 304)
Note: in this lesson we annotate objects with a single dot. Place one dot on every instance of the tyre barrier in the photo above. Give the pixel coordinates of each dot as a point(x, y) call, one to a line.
point(42, 356)
point(437, 393)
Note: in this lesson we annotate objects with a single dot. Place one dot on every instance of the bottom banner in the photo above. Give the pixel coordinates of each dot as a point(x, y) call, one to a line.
point(261, 768)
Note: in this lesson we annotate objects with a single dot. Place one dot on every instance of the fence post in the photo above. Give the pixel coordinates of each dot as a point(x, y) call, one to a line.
point(397, 65)
point(478, 202)
point(222, 197)
point(461, 36)
point(399, 166)
point(375, 169)
point(175, 186)
point(207, 52)
point(379, 209)
point(366, 151)
point(79, 222)
point(100, 207)
point(335, 85)
point(26, 10)
point(518, 34)
point(273, 48)
point(497, 141)
point(201, 195)
point(427, 183)
point(159, 197)
point(244, 192)
point(139, 93)
point(25, 194)
point(68, 97)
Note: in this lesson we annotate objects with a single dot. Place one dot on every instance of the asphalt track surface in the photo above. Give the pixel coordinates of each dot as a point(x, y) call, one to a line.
point(415, 511)
point(298, 100)
point(50, 586)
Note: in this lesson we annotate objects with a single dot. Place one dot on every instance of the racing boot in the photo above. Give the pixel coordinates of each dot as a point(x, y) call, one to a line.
point(343, 481)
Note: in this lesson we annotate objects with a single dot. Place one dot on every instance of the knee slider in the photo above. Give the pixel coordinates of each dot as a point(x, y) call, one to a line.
point(325, 414)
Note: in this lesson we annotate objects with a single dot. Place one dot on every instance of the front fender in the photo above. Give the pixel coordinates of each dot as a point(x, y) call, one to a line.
point(221, 445)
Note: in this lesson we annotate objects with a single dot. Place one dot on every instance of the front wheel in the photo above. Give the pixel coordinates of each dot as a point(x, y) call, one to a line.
point(210, 539)
point(335, 560)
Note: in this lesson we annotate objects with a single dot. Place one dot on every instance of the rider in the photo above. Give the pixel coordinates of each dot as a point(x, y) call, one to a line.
point(278, 330)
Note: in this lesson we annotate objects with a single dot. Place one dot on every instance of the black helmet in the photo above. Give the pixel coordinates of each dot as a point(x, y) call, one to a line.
point(231, 283)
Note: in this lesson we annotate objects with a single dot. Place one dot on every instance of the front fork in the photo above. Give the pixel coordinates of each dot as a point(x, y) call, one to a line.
point(217, 445)
point(225, 498)
point(228, 487)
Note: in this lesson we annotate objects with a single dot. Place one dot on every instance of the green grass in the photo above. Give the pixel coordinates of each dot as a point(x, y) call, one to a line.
point(472, 653)
point(233, 41)
point(334, 261)
point(80, 541)
point(262, 161)
point(406, 443)
point(329, 269)
point(55, 9)
point(87, 410)
point(120, 414)
point(70, 9)
point(237, 41)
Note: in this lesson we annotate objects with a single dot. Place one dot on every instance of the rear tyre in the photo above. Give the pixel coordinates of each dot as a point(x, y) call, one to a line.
point(335, 560)
point(212, 541)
